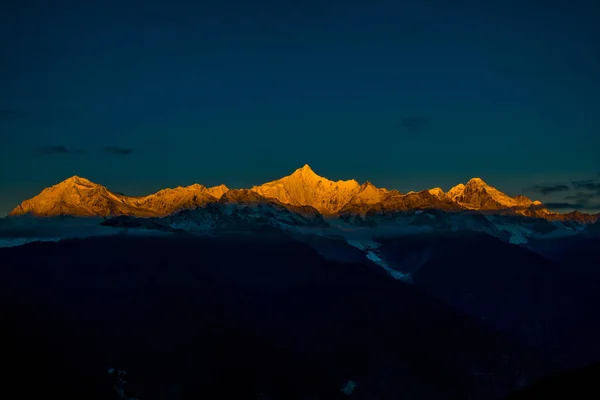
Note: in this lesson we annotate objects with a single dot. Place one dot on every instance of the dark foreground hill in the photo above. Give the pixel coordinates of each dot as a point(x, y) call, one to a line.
point(544, 302)
point(236, 316)
point(581, 383)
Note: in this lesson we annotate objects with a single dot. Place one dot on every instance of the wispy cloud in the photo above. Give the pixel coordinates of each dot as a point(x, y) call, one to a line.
point(549, 189)
point(586, 196)
point(586, 206)
point(54, 150)
point(582, 197)
point(565, 205)
point(592, 185)
point(120, 151)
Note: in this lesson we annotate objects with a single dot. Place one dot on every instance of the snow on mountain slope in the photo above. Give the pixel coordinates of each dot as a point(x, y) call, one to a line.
point(521, 230)
point(372, 253)
point(456, 191)
point(368, 194)
point(400, 227)
point(363, 204)
point(438, 192)
point(305, 187)
point(77, 196)
point(236, 210)
point(217, 191)
point(517, 230)
point(478, 195)
point(80, 197)
point(167, 201)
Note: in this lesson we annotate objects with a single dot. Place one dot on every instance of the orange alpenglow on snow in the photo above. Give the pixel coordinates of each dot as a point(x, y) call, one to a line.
point(78, 196)
point(305, 188)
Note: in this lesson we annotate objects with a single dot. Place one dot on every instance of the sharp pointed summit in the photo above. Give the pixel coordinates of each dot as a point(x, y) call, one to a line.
point(78, 196)
point(477, 181)
point(76, 180)
point(305, 187)
point(305, 171)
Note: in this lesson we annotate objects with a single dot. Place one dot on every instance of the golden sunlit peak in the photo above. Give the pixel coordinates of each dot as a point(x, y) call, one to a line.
point(436, 191)
point(477, 181)
point(77, 179)
point(306, 170)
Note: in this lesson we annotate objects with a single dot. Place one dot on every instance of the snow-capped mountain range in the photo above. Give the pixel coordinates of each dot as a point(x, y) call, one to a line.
point(78, 196)
point(324, 213)
point(302, 202)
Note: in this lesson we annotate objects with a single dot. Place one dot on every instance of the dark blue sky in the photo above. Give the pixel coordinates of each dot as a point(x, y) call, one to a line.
point(406, 94)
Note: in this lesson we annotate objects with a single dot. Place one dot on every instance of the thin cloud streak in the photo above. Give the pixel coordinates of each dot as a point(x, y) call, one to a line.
point(55, 150)
point(549, 189)
point(120, 151)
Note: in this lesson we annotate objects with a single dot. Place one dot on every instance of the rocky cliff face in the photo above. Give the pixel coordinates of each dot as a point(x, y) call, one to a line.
point(303, 192)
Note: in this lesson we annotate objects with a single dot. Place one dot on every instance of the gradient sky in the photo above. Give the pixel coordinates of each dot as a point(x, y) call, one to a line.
point(141, 95)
